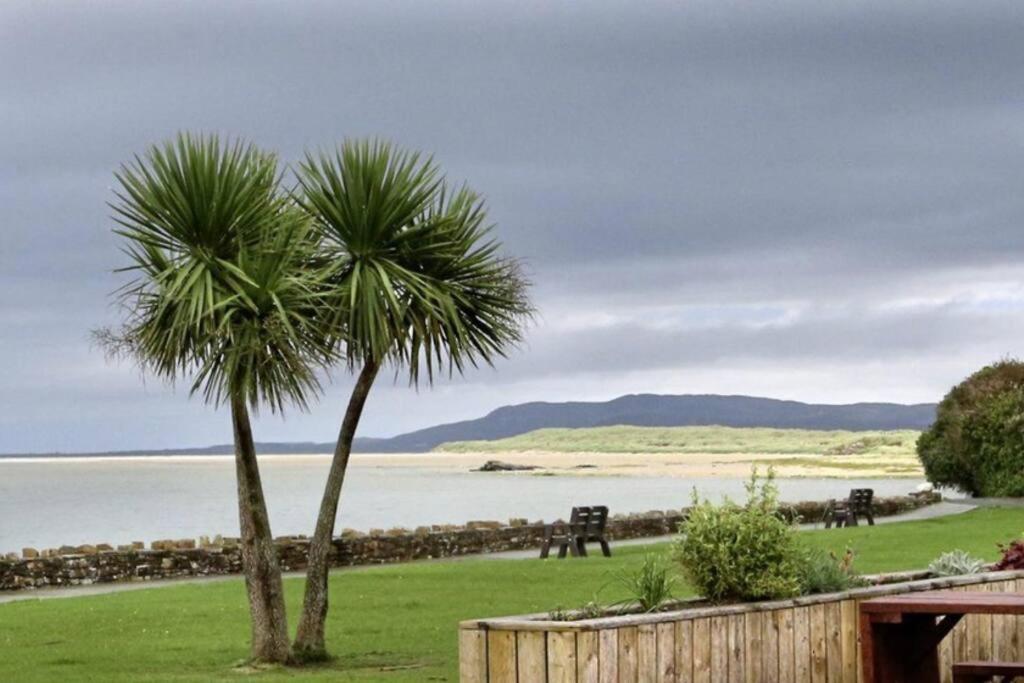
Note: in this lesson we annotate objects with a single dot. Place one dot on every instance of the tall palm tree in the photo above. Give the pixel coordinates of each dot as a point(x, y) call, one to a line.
point(416, 281)
point(225, 293)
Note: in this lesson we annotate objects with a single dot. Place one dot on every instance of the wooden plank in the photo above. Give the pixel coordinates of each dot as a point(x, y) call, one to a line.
point(472, 656)
point(684, 651)
point(608, 654)
point(719, 649)
point(737, 644)
point(647, 653)
point(666, 653)
point(1011, 645)
point(802, 645)
point(628, 655)
point(561, 657)
point(819, 639)
point(702, 651)
point(946, 660)
point(1019, 631)
point(588, 657)
point(848, 636)
point(985, 626)
point(784, 625)
point(531, 655)
point(973, 629)
point(769, 646)
point(501, 657)
point(833, 642)
point(752, 651)
point(945, 601)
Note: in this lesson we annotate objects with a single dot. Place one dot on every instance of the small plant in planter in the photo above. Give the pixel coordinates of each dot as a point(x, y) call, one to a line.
point(824, 572)
point(733, 552)
point(590, 610)
point(1013, 556)
point(956, 563)
point(650, 586)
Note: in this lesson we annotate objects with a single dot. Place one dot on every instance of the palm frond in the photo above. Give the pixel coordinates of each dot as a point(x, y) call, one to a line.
point(227, 289)
point(415, 274)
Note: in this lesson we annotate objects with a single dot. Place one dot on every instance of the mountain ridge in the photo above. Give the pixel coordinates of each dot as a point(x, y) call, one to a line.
point(640, 410)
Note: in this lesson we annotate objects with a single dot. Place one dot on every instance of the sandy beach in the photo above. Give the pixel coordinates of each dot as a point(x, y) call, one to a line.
point(682, 465)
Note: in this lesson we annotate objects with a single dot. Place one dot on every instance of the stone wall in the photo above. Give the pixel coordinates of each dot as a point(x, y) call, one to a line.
point(102, 563)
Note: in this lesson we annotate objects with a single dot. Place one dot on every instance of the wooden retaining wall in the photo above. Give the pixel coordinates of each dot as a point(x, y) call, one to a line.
point(813, 639)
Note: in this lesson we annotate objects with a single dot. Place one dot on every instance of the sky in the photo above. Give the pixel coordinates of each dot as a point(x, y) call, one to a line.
point(804, 200)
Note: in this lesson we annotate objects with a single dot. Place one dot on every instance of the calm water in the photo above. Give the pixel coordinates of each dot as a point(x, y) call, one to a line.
point(47, 504)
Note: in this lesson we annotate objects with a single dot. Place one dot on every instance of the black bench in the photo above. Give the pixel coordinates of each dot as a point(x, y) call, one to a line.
point(845, 512)
point(586, 525)
point(976, 672)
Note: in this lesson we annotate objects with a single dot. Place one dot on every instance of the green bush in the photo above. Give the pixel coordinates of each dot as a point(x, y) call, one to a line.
point(977, 441)
point(741, 552)
point(824, 572)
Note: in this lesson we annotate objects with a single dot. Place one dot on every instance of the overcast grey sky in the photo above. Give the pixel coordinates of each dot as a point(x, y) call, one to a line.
point(809, 200)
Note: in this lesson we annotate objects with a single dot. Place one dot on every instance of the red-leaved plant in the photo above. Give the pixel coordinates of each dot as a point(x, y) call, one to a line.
point(1013, 555)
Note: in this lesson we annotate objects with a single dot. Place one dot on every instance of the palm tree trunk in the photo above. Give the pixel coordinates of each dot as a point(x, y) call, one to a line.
point(309, 639)
point(259, 555)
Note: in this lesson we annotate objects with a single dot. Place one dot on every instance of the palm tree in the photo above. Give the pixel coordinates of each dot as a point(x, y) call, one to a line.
point(416, 281)
point(225, 293)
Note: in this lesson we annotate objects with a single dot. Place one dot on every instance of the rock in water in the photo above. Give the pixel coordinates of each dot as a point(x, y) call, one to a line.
point(499, 466)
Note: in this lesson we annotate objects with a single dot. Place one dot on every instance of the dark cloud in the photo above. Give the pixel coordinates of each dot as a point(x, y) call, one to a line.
point(812, 200)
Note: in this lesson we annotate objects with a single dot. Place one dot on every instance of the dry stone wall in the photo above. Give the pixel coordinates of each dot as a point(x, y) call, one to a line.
point(165, 559)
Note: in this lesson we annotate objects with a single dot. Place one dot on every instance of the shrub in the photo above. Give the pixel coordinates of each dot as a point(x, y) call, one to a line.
point(955, 563)
point(741, 552)
point(976, 443)
point(824, 572)
point(1013, 556)
point(649, 586)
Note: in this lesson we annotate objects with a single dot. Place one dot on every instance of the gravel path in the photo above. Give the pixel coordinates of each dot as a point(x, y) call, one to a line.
point(942, 509)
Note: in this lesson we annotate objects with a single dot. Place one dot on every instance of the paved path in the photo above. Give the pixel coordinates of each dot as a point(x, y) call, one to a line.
point(938, 510)
point(990, 502)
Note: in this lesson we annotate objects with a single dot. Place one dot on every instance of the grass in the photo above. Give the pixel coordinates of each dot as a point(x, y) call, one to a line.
point(623, 439)
point(393, 623)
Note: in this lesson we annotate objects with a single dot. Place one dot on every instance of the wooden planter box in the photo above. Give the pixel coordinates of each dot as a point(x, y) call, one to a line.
point(813, 638)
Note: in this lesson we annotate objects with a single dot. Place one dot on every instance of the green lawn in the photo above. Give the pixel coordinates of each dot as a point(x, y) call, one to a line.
point(388, 624)
point(626, 439)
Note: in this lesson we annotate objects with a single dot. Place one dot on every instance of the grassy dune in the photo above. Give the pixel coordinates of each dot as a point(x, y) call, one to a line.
point(623, 439)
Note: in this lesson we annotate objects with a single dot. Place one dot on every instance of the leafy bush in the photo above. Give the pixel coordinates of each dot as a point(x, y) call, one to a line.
point(956, 563)
point(741, 552)
point(824, 572)
point(977, 441)
point(1013, 556)
point(649, 586)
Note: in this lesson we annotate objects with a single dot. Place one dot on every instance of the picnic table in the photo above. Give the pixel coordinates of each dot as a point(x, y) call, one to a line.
point(900, 634)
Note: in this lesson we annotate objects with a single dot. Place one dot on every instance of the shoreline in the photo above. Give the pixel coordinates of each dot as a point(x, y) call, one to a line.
point(551, 463)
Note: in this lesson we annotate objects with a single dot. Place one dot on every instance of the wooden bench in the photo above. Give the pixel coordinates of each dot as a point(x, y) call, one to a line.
point(845, 512)
point(586, 525)
point(976, 671)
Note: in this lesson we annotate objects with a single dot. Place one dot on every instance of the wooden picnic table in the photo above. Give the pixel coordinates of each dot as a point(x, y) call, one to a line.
point(900, 634)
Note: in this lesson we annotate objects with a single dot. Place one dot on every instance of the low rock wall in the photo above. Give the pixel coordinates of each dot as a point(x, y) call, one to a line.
point(102, 563)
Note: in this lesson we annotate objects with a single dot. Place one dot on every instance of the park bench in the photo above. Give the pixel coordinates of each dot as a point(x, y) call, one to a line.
point(586, 525)
point(845, 512)
point(976, 672)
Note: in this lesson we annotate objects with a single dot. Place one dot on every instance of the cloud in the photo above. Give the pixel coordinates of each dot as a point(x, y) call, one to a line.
point(812, 200)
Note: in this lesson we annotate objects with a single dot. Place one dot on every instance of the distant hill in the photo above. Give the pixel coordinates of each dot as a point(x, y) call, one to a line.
point(644, 410)
point(652, 410)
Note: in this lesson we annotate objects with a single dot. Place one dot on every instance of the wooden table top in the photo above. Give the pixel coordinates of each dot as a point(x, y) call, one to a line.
point(946, 602)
